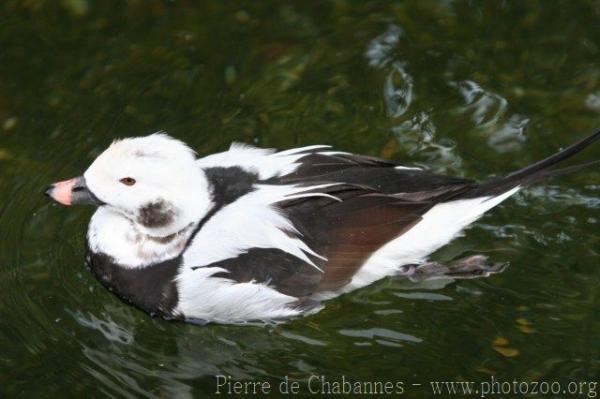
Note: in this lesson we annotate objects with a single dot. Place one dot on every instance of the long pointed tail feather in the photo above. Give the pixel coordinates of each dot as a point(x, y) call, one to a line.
point(538, 171)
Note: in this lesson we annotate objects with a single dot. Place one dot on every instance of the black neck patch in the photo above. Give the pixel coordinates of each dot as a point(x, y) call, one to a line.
point(229, 184)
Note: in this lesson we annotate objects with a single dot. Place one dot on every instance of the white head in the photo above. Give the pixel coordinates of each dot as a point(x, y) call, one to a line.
point(153, 181)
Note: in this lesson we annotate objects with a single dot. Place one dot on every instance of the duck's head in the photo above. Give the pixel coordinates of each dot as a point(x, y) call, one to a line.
point(153, 181)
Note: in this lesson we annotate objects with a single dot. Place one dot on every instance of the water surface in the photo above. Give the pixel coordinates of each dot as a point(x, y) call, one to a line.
point(467, 88)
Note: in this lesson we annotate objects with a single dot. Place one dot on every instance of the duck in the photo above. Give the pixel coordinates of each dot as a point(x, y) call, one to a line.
point(253, 234)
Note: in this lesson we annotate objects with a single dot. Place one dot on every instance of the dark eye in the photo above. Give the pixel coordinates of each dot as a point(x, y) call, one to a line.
point(128, 181)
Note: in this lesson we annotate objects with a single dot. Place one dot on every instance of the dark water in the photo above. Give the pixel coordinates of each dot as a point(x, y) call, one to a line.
point(469, 88)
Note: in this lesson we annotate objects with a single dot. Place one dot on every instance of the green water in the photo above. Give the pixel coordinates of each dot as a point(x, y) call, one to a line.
point(469, 88)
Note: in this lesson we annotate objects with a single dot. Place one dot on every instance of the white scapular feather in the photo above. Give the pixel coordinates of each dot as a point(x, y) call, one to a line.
point(252, 221)
point(265, 162)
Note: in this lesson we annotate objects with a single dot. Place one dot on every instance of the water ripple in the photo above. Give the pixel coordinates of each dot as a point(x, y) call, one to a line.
point(398, 90)
point(592, 101)
point(559, 196)
point(427, 296)
point(486, 107)
point(510, 135)
point(489, 114)
point(418, 136)
point(109, 329)
point(379, 51)
point(373, 333)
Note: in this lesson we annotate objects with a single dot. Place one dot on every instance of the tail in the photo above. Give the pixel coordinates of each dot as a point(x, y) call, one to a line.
point(538, 171)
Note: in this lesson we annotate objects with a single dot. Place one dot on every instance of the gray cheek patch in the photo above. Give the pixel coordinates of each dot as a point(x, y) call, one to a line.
point(156, 214)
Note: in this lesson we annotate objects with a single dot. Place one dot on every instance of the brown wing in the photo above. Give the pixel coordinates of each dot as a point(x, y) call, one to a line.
point(347, 232)
point(379, 202)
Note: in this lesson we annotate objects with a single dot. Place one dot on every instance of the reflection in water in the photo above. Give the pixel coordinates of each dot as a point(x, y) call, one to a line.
point(398, 90)
point(380, 50)
point(127, 352)
point(398, 86)
point(427, 296)
point(486, 107)
point(180, 354)
point(416, 132)
point(561, 198)
point(592, 101)
point(109, 329)
point(418, 136)
point(372, 333)
point(124, 361)
point(488, 112)
point(509, 136)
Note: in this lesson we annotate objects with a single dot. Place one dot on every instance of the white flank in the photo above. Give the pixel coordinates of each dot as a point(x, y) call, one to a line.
point(222, 300)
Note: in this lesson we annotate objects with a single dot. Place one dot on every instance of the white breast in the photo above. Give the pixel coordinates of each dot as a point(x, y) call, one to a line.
point(113, 234)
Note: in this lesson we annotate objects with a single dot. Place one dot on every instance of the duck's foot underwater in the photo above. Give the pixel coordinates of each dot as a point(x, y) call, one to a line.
point(469, 267)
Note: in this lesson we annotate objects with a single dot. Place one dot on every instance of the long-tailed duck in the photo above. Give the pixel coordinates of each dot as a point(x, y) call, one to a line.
point(256, 234)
